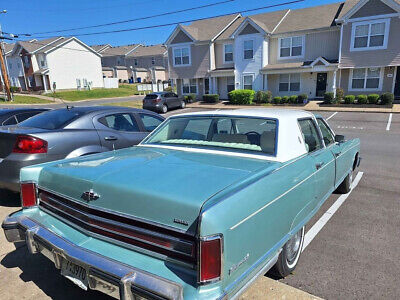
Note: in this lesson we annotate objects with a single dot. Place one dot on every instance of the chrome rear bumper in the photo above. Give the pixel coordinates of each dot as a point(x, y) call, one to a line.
point(105, 275)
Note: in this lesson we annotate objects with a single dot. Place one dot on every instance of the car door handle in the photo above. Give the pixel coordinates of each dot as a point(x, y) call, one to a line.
point(319, 165)
point(111, 138)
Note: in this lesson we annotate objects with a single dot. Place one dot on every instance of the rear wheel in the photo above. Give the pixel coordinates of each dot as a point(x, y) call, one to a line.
point(290, 254)
point(345, 186)
point(183, 104)
point(164, 109)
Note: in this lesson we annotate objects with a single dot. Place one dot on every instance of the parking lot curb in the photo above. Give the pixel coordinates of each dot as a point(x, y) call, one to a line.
point(267, 288)
point(311, 106)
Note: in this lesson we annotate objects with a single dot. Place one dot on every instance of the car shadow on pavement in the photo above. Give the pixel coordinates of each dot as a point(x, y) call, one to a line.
point(42, 272)
point(9, 199)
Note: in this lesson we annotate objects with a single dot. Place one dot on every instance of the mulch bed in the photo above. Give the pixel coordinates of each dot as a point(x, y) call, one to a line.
point(254, 104)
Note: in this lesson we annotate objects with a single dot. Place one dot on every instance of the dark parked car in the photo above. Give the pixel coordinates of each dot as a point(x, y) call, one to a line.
point(70, 132)
point(9, 117)
point(163, 101)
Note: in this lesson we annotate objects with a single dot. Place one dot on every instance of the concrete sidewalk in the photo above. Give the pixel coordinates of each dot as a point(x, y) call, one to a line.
point(56, 100)
point(267, 288)
point(311, 106)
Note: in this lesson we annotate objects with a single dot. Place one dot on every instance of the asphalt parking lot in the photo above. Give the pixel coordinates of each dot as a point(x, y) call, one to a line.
point(355, 255)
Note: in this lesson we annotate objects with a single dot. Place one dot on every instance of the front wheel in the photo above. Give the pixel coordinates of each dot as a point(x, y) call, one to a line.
point(290, 254)
point(345, 186)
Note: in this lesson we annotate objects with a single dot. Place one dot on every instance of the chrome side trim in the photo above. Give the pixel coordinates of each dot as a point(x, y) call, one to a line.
point(129, 280)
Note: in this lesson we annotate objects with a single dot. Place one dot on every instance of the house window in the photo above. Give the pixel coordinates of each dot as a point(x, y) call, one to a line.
point(135, 62)
point(248, 50)
point(228, 53)
point(153, 61)
point(289, 82)
point(248, 82)
point(370, 35)
point(182, 56)
point(230, 84)
point(366, 79)
point(78, 83)
point(189, 86)
point(10, 65)
point(27, 62)
point(291, 47)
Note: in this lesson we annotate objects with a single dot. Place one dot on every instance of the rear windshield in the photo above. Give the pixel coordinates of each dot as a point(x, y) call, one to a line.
point(257, 135)
point(151, 97)
point(55, 119)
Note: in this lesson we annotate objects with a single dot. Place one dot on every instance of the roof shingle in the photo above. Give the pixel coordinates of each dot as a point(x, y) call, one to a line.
point(148, 50)
point(119, 50)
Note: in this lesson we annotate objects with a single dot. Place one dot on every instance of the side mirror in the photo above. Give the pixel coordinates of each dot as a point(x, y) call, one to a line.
point(339, 138)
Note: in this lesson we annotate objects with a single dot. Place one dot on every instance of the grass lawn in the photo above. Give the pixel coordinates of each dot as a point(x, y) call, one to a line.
point(18, 99)
point(122, 91)
point(134, 104)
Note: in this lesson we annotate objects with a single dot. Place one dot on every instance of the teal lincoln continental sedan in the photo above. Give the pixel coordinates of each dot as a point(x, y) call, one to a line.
point(198, 210)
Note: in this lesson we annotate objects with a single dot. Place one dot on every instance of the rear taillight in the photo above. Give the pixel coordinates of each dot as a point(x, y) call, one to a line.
point(28, 194)
point(210, 258)
point(157, 100)
point(30, 145)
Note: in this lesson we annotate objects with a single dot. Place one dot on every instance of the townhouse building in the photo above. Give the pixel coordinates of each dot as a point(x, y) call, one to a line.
point(352, 45)
point(113, 60)
point(66, 63)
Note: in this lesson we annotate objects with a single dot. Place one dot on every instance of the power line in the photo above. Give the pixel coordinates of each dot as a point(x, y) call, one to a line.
point(132, 20)
point(180, 22)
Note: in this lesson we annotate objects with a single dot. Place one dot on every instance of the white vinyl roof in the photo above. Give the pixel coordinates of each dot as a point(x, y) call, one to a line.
point(290, 139)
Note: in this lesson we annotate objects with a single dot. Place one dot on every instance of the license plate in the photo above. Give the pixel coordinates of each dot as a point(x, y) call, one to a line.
point(76, 273)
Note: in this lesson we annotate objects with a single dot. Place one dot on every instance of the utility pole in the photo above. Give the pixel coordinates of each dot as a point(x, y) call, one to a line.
point(3, 65)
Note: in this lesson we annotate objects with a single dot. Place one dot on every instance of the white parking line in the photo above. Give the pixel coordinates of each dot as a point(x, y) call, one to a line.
point(331, 116)
point(389, 122)
point(312, 233)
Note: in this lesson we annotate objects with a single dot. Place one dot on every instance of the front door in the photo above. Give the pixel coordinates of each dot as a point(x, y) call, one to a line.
point(321, 84)
point(397, 84)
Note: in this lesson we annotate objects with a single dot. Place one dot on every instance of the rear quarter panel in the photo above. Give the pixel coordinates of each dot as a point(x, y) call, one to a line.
point(258, 216)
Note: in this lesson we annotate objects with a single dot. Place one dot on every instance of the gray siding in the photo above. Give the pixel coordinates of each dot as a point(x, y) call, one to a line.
point(385, 57)
point(387, 85)
point(200, 56)
point(112, 61)
point(219, 57)
point(145, 61)
point(373, 8)
point(181, 37)
point(248, 30)
point(325, 44)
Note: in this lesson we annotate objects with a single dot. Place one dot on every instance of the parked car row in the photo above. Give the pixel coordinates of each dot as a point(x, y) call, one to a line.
point(197, 210)
point(67, 133)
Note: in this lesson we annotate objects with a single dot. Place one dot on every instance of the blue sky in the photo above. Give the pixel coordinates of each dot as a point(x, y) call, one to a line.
point(47, 15)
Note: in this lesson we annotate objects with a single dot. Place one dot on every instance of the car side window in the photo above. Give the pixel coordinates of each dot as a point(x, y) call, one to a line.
point(326, 132)
point(120, 122)
point(310, 134)
point(10, 121)
point(174, 95)
point(150, 122)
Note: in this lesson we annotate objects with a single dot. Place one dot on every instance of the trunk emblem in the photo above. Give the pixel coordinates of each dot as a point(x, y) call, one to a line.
point(90, 196)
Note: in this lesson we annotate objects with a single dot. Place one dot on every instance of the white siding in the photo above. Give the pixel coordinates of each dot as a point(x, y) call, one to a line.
point(71, 62)
point(243, 67)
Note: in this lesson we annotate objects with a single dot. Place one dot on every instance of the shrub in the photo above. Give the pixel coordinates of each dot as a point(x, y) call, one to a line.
point(285, 99)
point(387, 98)
point(329, 98)
point(373, 98)
point(293, 99)
point(302, 98)
point(190, 98)
point(211, 98)
point(349, 99)
point(168, 89)
point(362, 99)
point(241, 96)
point(263, 97)
point(14, 89)
point(339, 94)
point(277, 100)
